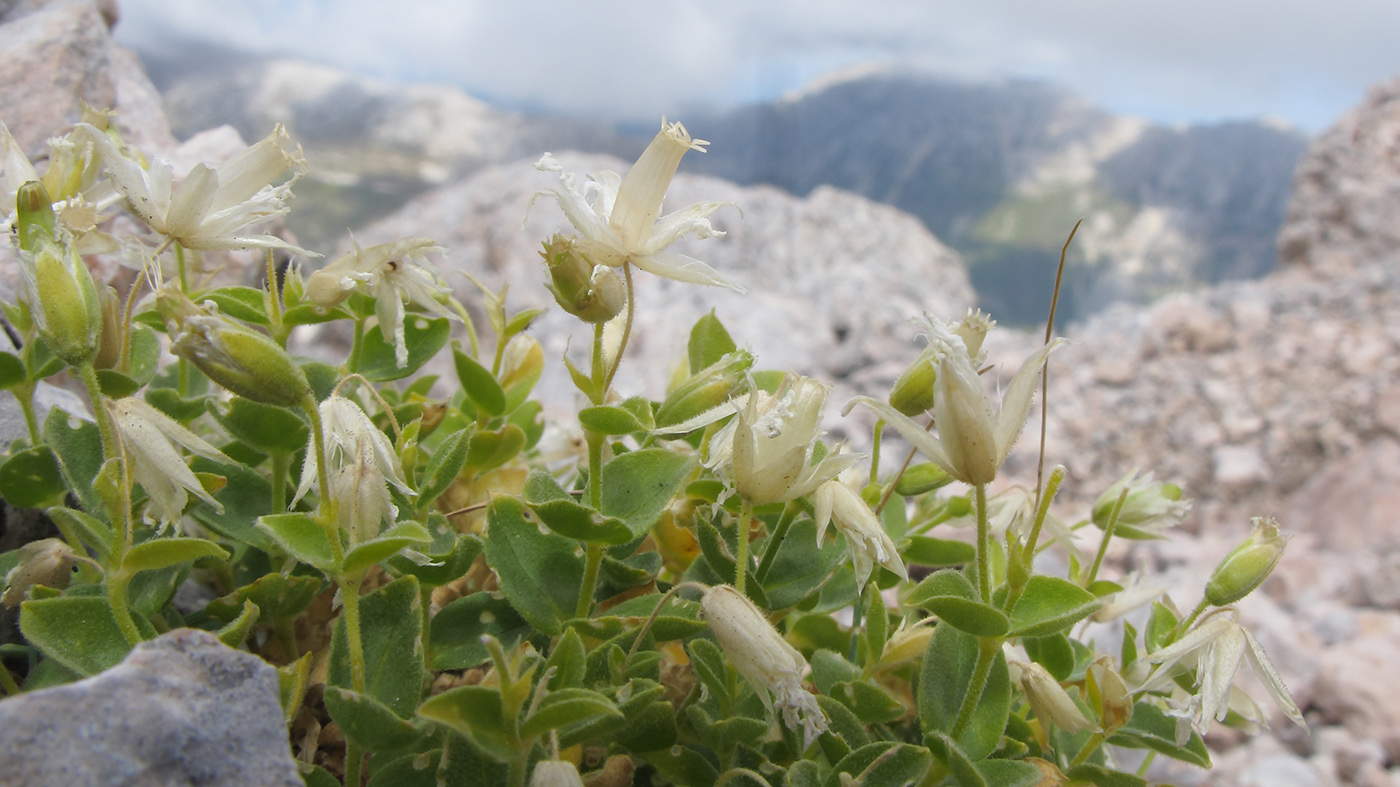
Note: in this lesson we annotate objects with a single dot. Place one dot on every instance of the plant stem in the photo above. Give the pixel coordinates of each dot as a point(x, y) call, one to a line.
point(984, 547)
point(1090, 745)
point(987, 648)
point(275, 294)
point(180, 265)
point(110, 448)
point(741, 561)
point(1107, 536)
point(116, 596)
point(280, 463)
point(25, 394)
point(350, 597)
point(626, 327)
point(770, 550)
point(517, 768)
point(353, 759)
point(589, 587)
point(470, 326)
point(875, 452)
point(357, 345)
point(856, 613)
point(1052, 486)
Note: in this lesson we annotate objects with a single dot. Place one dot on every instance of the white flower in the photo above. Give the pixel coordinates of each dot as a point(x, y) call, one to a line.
point(360, 464)
point(1051, 703)
point(866, 540)
point(210, 205)
point(772, 667)
point(393, 274)
point(146, 436)
point(971, 443)
point(1149, 509)
point(617, 217)
point(1218, 645)
point(555, 773)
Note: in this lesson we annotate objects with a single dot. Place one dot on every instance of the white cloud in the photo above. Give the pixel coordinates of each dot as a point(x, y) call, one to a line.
point(1186, 60)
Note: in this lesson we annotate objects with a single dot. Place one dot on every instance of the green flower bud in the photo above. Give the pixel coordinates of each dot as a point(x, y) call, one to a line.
point(240, 359)
point(1247, 565)
point(36, 221)
point(63, 302)
point(913, 391)
point(593, 293)
point(706, 389)
point(1149, 509)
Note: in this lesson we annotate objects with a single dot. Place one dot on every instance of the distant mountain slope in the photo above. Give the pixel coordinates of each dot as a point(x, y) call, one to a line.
point(1001, 171)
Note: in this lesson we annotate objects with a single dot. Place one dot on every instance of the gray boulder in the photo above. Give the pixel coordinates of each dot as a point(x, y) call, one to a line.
point(182, 709)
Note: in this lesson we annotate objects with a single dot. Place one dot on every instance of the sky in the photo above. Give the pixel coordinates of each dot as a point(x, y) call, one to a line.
point(1171, 61)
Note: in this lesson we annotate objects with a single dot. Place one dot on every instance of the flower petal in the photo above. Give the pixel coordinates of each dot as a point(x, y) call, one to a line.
point(673, 265)
point(917, 436)
point(1016, 402)
point(1264, 668)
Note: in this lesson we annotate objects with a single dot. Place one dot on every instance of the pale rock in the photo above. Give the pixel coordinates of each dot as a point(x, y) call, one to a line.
point(1353, 688)
point(55, 57)
point(180, 709)
point(1282, 770)
point(1352, 502)
point(1350, 754)
point(1238, 466)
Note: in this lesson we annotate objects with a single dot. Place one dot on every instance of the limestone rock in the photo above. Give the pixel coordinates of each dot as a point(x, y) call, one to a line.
point(1352, 689)
point(180, 709)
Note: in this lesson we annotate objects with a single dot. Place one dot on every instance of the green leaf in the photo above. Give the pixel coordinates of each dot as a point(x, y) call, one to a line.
point(560, 512)
point(529, 418)
point(246, 497)
point(567, 659)
point(479, 384)
point(307, 314)
point(1053, 652)
point(843, 722)
point(162, 552)
point(922, 478)
point(170, 402)
point(870, 703)
point(447, 562)
point(32, 479)
point(883, 763)
point(390, 624)
point(301, 536)
point(367, 722)
point(520, 321)
point(269, 429)
point(950, 595)
point(608, 420)
point(78, 632)
point(1009, 773)
point(235, 631)
point(955, 760)
point(1100, 776)
point(1150, 728)
point(938, 552)
point(709, 342)
point(1160, 624)
point(388, 544)
point(539, 572)
point(11, 370)
point(830, 668)
point(454, 636)
point(1050, 605)
point(143, 356)
point(477, 713)
point(242, 303)
point(490, 449)
point(682, 765)
point(638, 486)
point(447, 461)
point(877, 628)
point(79, 449)
point(94, 533)
point(423, 337)
point(945, 676)
point(803, 773)
point(567, 706)
point(278, 597)
point(679, 619)
point(802, 566)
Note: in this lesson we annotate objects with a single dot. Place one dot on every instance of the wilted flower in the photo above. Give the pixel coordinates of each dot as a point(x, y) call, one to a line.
point(393, 274)
point(1150, 507)
point(360, 464)
point(971, 444)
point(555, 773)
point(592, 293)
point(1217, 646)
point(772, 667)
point(210, 205)
point(866, 540)
point(617, 217)
point(1051, 703)
point(48, 562)
point(148, 438)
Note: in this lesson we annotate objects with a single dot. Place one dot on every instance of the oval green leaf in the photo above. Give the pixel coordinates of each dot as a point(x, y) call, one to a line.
point(162, 552)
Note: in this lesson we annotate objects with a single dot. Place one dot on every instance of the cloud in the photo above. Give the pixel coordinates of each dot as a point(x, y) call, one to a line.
point(1188, 60)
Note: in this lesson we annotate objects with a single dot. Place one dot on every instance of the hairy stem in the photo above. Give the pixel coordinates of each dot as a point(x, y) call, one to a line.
point(984, 546)
point(589, 587)
point(741, 561)
point(986, 653)
point(1107, 536)
point(775, 542)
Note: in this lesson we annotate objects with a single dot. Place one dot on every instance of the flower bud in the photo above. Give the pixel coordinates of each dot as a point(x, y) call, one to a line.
point(1150, 507)
point(63, 301)
point(913, 391)
point(35, 221)
point(593, 293)
point(555, 773)
point(906, 644)
point(1050, 702)
point(973, 329)
point(240, 359)
point(46, 562)
point(1248, 565)
point(706, 389)
point(109, 352)
point(1108, 690)
point(771, 666)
